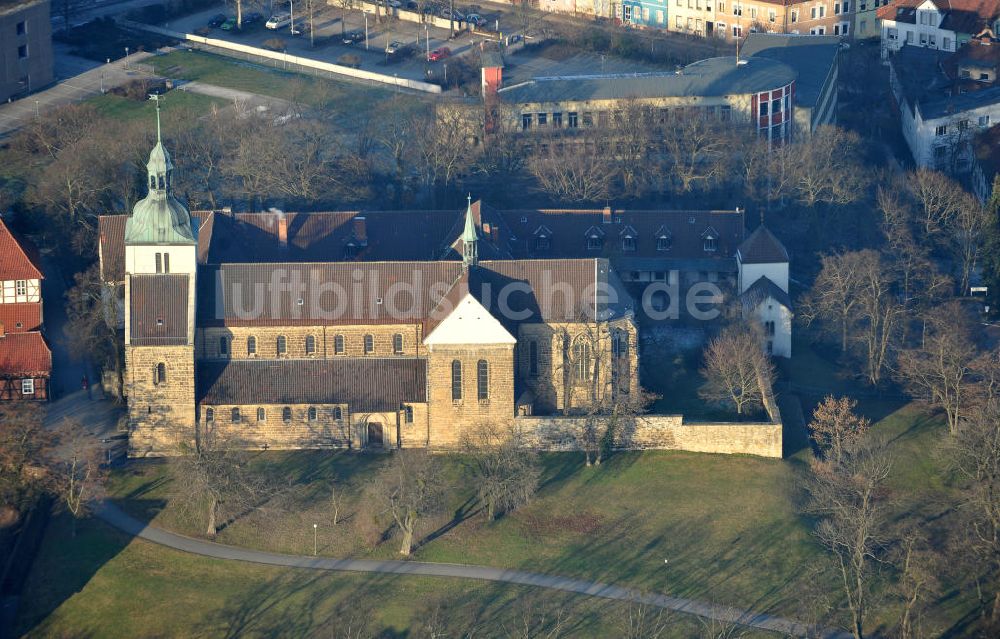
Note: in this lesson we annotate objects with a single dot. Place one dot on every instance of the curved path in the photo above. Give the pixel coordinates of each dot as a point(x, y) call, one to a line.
point(117, 518)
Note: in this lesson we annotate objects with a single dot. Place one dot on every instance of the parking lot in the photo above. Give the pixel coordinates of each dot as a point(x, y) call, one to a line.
point(371, 53)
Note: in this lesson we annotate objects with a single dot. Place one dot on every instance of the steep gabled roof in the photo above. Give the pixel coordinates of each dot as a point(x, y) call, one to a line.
point(19, 259)
point(762, 247)
point(364, 383)
point(24, 354)
point(760, 291)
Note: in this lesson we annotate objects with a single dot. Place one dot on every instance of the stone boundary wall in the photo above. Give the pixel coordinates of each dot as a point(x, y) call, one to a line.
point(229, 48)
point(661, 432)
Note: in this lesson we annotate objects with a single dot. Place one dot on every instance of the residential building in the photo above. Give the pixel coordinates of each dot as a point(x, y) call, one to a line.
point(815, 60)
point(645, 13)
point(945, 99)
point(755, 90)
point(729, 19)
point(26, 59)
point(944, 25)
point(25, 358)
point(384, 329)
point(867, 23)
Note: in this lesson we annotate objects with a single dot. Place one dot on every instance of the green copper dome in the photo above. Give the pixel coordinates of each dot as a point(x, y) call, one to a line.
point(159, 218)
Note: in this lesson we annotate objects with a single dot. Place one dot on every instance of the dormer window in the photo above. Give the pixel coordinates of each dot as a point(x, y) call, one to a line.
point(628, 243)
point(711, 244)
point(594, 242)
point(663, 243)
point(543, 237)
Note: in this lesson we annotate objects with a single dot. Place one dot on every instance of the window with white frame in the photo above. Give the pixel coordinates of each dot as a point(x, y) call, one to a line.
point(941, 130)
point(984, 120)
point(27, 386)
point(771, 15)
point(21, 287)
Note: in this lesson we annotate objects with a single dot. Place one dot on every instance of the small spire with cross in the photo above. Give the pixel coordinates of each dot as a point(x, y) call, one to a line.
point(156, 98)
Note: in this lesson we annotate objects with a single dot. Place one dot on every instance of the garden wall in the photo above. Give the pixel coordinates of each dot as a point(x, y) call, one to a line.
point(229, 48)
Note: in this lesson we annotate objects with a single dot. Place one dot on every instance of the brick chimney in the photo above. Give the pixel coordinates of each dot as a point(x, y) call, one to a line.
point(606, 215)
point(360, 230)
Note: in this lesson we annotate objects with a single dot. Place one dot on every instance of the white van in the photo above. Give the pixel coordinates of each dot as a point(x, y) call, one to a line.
point(279, 20)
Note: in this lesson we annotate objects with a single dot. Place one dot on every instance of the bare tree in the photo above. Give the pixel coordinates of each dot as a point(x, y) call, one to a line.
point(849, 499)
point(696, 151)
point(409, 487)
point(736, 370)
point(642, 620)
point(941, 371)
point(918, 566)
point(25, 453)
point(336, 501)
point(879, 314)
point(92, 318)
point(77, 475)
point(827, 169)
point(966, 233)
point(578, 176)
point(506, 470)
point(976, 451)
point(217, 476)
point(835, 427)
point(938, 197)
point(833, 298)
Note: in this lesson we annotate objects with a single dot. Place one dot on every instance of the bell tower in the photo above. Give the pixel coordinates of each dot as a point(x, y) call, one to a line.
point(470, 239)
point(160, 292)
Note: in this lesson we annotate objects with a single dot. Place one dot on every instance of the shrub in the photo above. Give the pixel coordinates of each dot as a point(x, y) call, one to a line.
point(275, 44)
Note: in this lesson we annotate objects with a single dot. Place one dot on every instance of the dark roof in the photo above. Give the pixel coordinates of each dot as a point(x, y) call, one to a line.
point(987, 149)
point(762, 247)
point(363, 383)
point(567, 230)
point(159, 310)
point(921, 73)
point(23, 354)
point(19, 258)
point(759, 291)
point(112, 247)
point(398, 292)
point(812, 57)
point(711, 77)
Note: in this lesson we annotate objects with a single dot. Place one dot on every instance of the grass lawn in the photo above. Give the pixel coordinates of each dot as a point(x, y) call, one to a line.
point(116, 107)
point(349, 99)
point(728, 527)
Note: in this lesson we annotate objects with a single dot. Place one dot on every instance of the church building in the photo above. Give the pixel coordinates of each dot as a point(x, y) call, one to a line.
point(384, 329)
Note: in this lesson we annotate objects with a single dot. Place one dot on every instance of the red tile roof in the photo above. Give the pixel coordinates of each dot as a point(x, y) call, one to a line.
point(24, 354)
point(28, 315)
point(159, 314)
point(961, 16)
point(19, 258)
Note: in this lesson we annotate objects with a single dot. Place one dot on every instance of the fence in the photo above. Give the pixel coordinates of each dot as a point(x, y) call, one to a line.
point(283, 60)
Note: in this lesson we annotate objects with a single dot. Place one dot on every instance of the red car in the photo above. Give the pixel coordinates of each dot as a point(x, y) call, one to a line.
point(439, 54)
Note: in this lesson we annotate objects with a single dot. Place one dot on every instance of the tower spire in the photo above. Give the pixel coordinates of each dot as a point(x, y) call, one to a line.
point(156, 98)
point(470, 238)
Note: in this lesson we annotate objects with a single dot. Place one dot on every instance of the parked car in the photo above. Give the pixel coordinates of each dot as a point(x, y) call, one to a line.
point(394, 47)
point(439, 54)
point(350, 37)
point(228, 25)
point(252, 18)
point(448, 14)
point(412, 5)
point(279, 20)
point(395, 4)
point(474, 19)
point(216, 21)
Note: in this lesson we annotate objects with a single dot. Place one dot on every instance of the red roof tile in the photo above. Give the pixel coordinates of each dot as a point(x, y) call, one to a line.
point(24, 354)
point(19, 258)
point(28, 315)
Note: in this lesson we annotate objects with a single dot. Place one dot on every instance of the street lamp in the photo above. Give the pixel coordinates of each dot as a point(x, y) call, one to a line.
point(36, 109)
point(102, 82)
point(366, 30)
point(126, 57)
point(315, 526)
point(427, 37)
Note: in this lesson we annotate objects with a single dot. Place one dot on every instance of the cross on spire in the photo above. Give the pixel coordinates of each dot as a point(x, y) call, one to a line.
point(470, 252)
point(156, 98)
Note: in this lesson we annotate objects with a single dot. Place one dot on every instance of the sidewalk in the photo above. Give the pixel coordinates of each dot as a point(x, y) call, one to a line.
point(14, 115)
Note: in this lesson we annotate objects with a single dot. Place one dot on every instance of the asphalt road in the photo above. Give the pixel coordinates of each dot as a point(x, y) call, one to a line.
point(117, 518)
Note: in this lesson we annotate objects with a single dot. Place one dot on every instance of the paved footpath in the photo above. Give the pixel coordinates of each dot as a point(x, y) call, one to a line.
point(114, 516)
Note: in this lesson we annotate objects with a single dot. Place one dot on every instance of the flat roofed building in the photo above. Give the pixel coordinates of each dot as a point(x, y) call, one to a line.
point(26, 58)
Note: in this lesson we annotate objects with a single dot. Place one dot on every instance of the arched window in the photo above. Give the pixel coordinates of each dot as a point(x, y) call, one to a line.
point(160, 373)
point(261, 415)
point(397, 343)
point(282, 345)
point(581, 359)
point(286, 414)
point(235, 418)
point(251, 346)
point(456, 380)
point(310, 344)
point(338, 345)
point(223, 345)
point(483, 380)
point(369, 344)
point(338, 413)
point(152, 181)
point(312, 413)
point(209, 415)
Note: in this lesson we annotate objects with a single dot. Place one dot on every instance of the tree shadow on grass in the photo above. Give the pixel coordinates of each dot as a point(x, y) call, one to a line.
point(64, 565)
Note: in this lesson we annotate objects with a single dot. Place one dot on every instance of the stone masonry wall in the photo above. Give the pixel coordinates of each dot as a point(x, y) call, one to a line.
point(662, 432)
point(208, 340)
point(448, 417)
point(161, 416)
